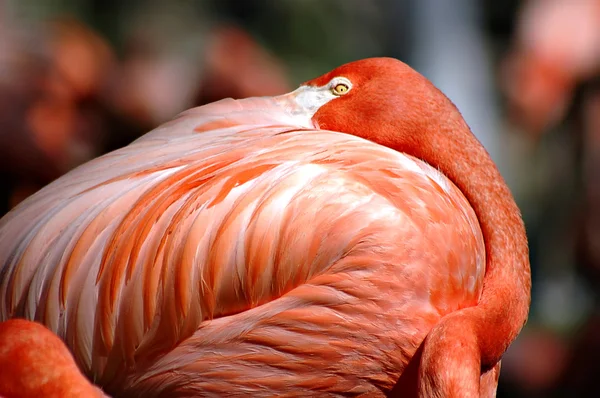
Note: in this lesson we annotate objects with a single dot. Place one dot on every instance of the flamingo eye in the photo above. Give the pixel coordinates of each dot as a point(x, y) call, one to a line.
point(340, 89)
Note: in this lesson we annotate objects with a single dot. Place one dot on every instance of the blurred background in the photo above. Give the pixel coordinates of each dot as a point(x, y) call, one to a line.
point(79, 78)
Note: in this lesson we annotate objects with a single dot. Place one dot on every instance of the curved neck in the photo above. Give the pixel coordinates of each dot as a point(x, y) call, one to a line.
point(418, 119)
point(505, 299)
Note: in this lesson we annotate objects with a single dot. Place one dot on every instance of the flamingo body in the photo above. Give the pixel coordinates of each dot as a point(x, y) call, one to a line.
point(244, 249)
point(270, 244)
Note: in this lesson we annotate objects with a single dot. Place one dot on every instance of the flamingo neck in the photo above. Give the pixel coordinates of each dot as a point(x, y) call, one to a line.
point(504, 303)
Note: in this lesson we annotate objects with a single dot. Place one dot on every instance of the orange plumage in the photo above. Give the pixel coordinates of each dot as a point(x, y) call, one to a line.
point(242, 248)
point(35, 363)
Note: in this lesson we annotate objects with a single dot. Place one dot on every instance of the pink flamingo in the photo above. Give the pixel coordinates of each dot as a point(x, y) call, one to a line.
point(342, 239)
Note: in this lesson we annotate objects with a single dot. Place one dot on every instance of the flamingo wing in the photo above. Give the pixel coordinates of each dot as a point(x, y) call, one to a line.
point(234, 241)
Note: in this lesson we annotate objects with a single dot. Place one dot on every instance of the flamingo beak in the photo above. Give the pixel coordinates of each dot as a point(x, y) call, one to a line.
point(304, 102)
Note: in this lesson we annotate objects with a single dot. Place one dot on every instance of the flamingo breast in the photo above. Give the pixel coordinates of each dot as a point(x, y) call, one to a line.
point(235, 249)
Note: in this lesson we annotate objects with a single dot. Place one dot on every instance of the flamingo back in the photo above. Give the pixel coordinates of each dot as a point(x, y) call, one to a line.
point(239, 247)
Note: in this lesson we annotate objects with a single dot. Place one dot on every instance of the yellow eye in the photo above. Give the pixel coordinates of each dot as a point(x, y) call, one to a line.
point(340, 89)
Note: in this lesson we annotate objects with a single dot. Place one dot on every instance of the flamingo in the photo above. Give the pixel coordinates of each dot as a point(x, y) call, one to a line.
point(351, 237)
point(556, 47)
point(35, 363)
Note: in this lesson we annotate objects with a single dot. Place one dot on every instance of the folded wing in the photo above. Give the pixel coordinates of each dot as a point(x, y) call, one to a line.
point(227, 208)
